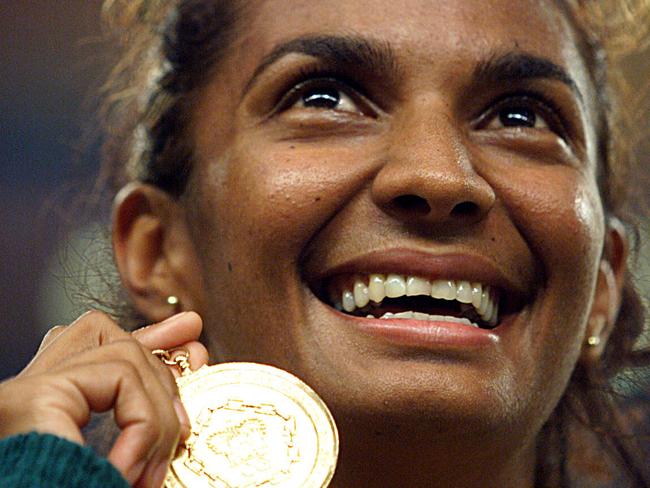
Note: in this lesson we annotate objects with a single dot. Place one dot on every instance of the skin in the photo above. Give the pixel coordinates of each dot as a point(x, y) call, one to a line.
point(280, 198)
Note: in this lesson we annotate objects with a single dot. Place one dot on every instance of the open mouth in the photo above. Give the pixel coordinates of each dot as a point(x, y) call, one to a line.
point(395, 296)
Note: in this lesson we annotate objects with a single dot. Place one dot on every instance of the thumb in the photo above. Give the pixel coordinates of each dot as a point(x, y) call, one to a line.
point(178, 331)
point(172, 332)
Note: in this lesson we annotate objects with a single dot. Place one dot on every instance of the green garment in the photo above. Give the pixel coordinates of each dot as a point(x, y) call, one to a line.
point(43, 460)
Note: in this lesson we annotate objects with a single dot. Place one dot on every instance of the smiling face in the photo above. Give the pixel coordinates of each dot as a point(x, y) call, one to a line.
point(424, 141)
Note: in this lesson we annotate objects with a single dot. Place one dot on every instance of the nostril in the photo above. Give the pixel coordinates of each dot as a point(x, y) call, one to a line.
point(465, 209)
point(412, 203)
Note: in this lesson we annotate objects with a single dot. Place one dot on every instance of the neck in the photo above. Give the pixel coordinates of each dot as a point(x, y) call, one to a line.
point(412, 457)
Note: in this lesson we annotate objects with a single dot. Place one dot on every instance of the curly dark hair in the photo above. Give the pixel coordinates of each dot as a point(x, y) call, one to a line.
point(170, 50)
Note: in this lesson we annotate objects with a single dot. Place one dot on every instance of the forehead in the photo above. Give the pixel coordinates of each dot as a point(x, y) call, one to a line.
point(434, 30)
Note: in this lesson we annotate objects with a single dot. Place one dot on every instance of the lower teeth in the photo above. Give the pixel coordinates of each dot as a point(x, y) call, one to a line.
point(425, 316)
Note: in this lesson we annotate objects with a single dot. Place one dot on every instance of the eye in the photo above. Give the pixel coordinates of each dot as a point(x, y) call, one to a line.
point(324, 94)
point(525, 112)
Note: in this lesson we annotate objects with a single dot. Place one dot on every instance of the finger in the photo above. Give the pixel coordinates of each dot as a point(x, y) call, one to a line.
point(156, 377)
point(89, 331)
point(51, 336)
point(94, 328)
point(119, 385)
point(167, 374)
point(176, 330)
point(174, 421)
point(198, 356)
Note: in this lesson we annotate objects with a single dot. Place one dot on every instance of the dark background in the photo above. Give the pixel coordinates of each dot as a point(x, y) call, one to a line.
point(52, 61)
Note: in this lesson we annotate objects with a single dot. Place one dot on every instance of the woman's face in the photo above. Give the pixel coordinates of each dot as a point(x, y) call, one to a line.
point(438, 141)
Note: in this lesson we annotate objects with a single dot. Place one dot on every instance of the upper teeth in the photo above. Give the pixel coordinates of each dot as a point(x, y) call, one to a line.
point(376, 287)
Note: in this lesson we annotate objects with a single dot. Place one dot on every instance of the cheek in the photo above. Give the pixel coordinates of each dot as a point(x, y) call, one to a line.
point(559, 213)
point(282, 194)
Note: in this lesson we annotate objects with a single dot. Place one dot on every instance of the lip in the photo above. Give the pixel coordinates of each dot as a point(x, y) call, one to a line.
point(430, 336)
point(421, 334)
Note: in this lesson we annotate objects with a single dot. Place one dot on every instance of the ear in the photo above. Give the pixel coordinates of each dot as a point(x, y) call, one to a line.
point(608, 293)
point(154, 253)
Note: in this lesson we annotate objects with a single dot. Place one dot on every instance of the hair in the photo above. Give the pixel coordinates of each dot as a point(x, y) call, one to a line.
point(170, 50)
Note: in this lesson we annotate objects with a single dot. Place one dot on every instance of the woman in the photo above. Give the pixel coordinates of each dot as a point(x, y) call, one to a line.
point(299, 172)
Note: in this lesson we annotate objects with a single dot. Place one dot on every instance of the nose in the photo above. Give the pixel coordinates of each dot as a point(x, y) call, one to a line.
point(429, 176)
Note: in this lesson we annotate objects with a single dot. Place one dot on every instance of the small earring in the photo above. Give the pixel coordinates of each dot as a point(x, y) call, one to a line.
point(174, 302)
point(597, 324)
point(593, 341)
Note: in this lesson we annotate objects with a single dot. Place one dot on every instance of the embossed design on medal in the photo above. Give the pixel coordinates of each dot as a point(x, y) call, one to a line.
point(243, 445)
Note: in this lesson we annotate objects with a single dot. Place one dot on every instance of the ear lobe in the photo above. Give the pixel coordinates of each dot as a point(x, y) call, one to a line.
point(153, 252)
point(608, 293)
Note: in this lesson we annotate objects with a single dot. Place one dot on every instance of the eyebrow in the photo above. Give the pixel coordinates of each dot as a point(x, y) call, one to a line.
point(344, 51)
point(515, 66)
point(374, 57)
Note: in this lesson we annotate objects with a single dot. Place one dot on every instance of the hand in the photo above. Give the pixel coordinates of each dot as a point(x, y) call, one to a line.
point(93, 365)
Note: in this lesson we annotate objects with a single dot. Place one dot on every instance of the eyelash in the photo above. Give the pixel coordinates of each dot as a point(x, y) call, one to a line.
point(311, 76)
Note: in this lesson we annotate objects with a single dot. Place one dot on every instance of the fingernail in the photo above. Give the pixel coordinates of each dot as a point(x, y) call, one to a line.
point(183, 418)
point(160, 474)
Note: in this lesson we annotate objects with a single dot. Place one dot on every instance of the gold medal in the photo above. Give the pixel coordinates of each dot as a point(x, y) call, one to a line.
point(252, 425)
